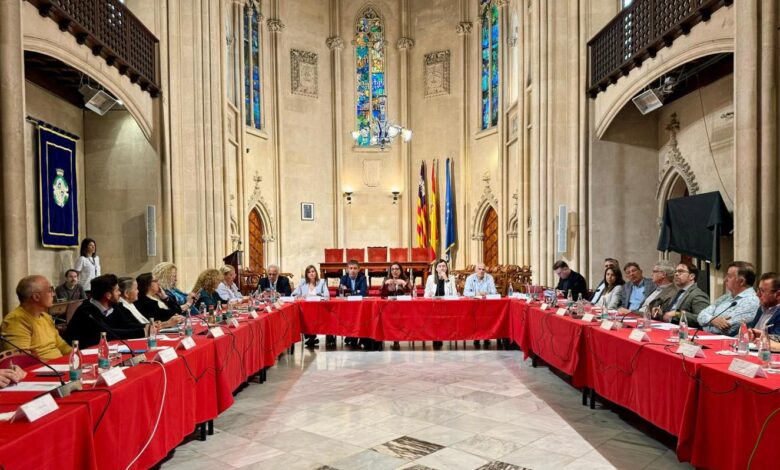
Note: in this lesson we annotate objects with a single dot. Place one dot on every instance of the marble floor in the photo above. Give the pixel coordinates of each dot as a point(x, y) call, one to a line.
point(456, 408)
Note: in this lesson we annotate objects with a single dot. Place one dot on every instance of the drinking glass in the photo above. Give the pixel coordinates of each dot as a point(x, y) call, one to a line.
point(674, 334)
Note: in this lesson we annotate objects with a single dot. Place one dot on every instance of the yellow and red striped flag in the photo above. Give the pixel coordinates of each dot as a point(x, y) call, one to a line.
point(422, 211)
point(434, 248)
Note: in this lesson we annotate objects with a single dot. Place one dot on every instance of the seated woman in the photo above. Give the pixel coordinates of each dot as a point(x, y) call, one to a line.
point(125, 315)
point(312, 285)
point(395, 283)
point(228, 289)
point(166, 275)
point(440, 283)
point(151, 305)
point(613, 290)
point(206, 287)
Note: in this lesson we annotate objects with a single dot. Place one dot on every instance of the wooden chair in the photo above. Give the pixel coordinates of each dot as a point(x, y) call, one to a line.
point(333, 255)
point(250, 280)
point(399, 255)
point(420, 254)
point(376, 254)
point(17, 358)
point(358, 254)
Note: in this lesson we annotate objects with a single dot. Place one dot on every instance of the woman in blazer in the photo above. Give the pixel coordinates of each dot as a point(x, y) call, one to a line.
point(440, 282)
point(395, 283)
point(613, 292)
point(312, 285)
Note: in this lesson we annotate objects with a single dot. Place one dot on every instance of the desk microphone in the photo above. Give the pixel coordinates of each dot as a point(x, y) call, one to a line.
point(136, 359)
point(65, 388)
point(693, 338)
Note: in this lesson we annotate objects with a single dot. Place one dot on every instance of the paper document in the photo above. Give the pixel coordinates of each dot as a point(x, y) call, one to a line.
point(57, 367)
point(6, 416)
point(713, 337)
point(31, 387)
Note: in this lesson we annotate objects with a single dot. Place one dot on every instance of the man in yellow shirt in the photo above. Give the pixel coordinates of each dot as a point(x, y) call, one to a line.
point(29, 326)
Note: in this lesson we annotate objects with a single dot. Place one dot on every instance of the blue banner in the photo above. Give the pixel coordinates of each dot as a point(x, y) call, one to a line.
point(451, 237)
point(57, 191)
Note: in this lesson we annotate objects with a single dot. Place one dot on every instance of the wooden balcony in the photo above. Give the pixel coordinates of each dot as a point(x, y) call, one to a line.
point(638, 32)
point(111, 31)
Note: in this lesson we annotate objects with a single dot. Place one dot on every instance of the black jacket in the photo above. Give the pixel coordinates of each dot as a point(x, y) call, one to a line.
point(151, 309)
point(574, 283)
point(88, 322)
point(282, 285)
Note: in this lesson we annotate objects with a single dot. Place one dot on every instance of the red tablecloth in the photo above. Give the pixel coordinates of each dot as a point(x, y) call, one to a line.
point(736, 418)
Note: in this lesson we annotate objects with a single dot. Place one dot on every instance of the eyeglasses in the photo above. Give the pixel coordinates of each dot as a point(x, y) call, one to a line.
point(681, 271)
point(49, 290)
point(763, 291)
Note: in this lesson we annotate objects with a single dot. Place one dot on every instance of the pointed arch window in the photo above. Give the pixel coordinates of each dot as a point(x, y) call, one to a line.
point(489, 41)
point(371, 97)
point(252, 76)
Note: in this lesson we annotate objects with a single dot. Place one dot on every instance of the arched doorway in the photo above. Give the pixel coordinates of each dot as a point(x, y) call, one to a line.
point(256, 248)
point(490, 242)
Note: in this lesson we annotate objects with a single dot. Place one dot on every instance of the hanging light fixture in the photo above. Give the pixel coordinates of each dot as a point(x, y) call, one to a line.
point(384, 131)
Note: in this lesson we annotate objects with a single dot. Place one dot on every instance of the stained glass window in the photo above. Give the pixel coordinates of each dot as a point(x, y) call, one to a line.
point(370, 76)
point(252, 81)
point(489, 80)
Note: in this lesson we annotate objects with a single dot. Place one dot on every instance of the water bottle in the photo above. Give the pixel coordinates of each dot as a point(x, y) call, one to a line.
point(187, 325)
point(103, 361)
point(414, 290)
point(151, 338)
point(75, 361)
point(764, 350)
point(569, 299)
point(510, 291)
point(683, 334)
point(743, 340)
point(648, 320)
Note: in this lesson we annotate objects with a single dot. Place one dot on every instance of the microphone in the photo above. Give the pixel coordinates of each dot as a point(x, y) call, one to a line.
point(64, 389)
point(136, 359)
point(693, 338)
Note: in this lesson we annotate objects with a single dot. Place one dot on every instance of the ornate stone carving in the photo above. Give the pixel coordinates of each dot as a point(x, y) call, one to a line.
point(405, 43)
point(275, 25)
point(303, 73)
point(513, 219)
point(235, 237)
point(334, 42)
point(437, 73)
point(502, 3)
point(372, 173)
point(464, 27)
point(258, 201)
point(675, 160)
point(487, 201)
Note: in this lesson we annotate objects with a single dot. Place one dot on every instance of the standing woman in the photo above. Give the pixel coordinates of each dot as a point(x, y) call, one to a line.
point(88, 264)
point(312, 285)
point(440, 283)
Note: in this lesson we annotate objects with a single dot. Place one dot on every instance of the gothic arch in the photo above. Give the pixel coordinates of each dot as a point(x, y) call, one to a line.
point(487, 201)
point(257, 201)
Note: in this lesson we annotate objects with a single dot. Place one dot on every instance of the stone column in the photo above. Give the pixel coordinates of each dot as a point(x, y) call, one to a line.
point(275, 27)
point(405, 43)
point(503, 219)
point(13, 234)
point(768, 149)
point(335, 43)
point(463, 29)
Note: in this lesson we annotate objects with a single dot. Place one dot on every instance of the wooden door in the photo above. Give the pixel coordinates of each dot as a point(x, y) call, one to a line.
point(490, 242)
point(256, 262)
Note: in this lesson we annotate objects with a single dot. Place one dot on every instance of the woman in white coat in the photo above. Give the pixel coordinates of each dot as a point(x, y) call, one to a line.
point(440, 282)
point(88, 264)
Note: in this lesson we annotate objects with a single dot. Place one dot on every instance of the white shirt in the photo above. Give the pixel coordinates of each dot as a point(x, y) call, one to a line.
point(88, 268)
point(229, 293)
point(141, 319)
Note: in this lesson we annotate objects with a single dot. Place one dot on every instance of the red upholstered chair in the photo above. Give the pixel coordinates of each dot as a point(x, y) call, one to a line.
point(420, 254)
point(333, 255)
point(376, 254)
point(399, 255)
point(358, 254)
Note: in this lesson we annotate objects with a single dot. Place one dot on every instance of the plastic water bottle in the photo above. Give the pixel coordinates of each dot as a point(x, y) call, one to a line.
point(764, 350)
point(414, 290)
point(743, 340)
point(683, 334)
point(510, 291)
point(648, 320)
point(187, 325)
point(151, 338)
point(75, 361)
point(103, 362)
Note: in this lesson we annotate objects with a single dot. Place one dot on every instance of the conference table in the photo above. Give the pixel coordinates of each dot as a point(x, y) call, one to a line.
point(721, 420)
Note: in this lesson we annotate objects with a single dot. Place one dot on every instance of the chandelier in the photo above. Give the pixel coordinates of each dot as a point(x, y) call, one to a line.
point(384, 131)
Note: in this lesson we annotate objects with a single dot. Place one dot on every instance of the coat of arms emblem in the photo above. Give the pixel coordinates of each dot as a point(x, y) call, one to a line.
point(60, 188)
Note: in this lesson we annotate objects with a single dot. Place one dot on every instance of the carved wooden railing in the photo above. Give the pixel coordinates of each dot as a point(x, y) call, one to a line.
point(112, 32)
point(638, 32)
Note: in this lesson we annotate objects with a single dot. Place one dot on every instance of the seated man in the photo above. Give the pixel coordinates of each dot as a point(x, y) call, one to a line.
point(70, 289)
point(690, 299)
point(273, 282)
point(665, 290)
point(636, 289)
point(355, 283)
point(737, 305)
point(608, 263)
point(768, 315)
point(11, 376)
point(570, 282)
point(479, 284)
point(29, 326)
point(91, 318)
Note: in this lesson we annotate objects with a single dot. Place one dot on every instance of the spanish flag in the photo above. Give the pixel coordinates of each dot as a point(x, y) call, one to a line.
point(422, 211)
point(434, 213)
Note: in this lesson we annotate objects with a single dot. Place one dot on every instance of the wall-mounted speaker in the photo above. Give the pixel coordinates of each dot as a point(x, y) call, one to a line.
point(151, 231)
point(563, 228)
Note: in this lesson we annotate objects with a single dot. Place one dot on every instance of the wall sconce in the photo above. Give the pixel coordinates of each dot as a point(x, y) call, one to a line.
point(396, 196)
point(348, 196)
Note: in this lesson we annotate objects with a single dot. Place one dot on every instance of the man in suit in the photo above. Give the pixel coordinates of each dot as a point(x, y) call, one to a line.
point(768, 315)
point(274, 283)
point(570, 282)
point(91, 318)
point(636, 289)
point(665, 290)
point(355, 283)
point(608, 263)
point(689, 298)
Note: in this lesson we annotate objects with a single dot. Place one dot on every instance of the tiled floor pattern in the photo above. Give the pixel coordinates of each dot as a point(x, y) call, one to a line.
point(417, 409)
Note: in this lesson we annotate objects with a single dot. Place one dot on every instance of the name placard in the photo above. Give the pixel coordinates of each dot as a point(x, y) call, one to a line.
point(269, 309)
point(608, 325)
point(493, 296)
point(690, 350)
point(404, 297)
point(469, 295)
point(355, 297)
point(253, 314)
point(286, 299)
point(451, 297)
point(166, 355)
point(278, 304)
point(112, 376)
point(746, 368)
point(35, 409)
point(544, 306)
point(186, 344)
point(215, 332)
point(233, 323)
point(561, 312)
point(639, 335)
point(588, 317)
point(313, 298)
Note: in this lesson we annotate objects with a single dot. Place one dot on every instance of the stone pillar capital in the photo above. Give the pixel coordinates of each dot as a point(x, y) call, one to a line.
point(275, 25)
point(405, 43)
point(334, 43)
point(464, 28)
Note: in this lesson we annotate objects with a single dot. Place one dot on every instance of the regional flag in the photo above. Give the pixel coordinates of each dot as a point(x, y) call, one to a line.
point(422, 211)
point(451, 238)
point(434, 213)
